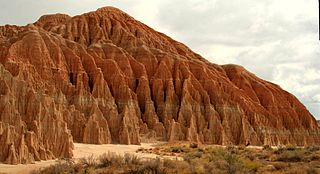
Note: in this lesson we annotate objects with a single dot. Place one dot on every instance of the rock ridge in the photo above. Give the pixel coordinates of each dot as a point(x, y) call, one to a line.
point(103, 77)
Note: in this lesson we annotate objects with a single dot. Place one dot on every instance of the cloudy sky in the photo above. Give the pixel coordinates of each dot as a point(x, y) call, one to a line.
point(275, 39)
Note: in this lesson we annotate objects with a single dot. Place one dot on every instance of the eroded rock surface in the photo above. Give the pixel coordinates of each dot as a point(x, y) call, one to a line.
point(103, 77)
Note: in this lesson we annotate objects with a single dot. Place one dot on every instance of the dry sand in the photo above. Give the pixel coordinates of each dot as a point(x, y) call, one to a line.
point(86, 150)
point(80, 151)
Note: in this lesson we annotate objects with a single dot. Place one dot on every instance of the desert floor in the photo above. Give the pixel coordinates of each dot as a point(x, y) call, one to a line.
point(80, 151)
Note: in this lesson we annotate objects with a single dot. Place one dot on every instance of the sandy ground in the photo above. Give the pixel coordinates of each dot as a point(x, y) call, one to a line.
point(24, 168)
point(80, 151)
point(86, 150)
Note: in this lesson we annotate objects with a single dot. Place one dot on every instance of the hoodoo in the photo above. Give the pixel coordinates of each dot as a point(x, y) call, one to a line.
point(103, 77)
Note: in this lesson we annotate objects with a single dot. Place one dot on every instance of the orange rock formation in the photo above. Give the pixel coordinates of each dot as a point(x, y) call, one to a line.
point(103, 77)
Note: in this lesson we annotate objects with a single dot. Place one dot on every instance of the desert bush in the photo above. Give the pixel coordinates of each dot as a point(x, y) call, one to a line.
point(188, 157)
point(131, 159)
point(231, 159)
point(61, 167)
point(291, 147)
point(232, 149)
point(199, 169)
point(150, 166)
point(176, 149)
point(241, 147)
point(280, 165)
point(311, 170)
point(250, 156)
point(224, 154)
point(198, 154)
point(141, 149)
point(312, 148)
point(297, 169)
point(89, 161)
point(267, 147)
point(215, 154)
point(193, 145)
point(252, 166)
point(314, 157)
point(109, 159)
point(201, 150)
point(192, 155)
point(279, 150)
point(169, 163)
point(290, 156)
point(226, 160)
point(173, 166)
point(211, 167)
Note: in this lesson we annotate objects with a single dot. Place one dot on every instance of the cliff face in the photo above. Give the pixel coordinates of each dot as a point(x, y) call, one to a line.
point(103, 77)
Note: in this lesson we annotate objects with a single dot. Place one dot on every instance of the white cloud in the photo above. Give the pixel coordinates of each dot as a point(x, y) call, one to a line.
point(317, 98)
point(277, 40)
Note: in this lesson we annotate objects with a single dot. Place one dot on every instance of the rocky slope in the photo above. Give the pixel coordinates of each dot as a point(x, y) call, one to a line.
point(103, 77)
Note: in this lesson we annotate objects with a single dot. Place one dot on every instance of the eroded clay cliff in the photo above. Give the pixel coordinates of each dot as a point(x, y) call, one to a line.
point(103, 77)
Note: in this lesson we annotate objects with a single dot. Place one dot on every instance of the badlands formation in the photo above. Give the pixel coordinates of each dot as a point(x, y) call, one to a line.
point(103, 77)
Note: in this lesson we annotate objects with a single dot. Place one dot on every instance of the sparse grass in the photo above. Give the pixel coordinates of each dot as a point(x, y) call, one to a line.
point(199, 159)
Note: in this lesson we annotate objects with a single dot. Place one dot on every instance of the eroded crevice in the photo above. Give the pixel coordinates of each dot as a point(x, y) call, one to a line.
point(90, 83)
point(71, 78)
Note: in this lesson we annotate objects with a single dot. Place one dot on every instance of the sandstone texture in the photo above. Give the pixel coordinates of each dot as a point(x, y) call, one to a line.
point(103, 77)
